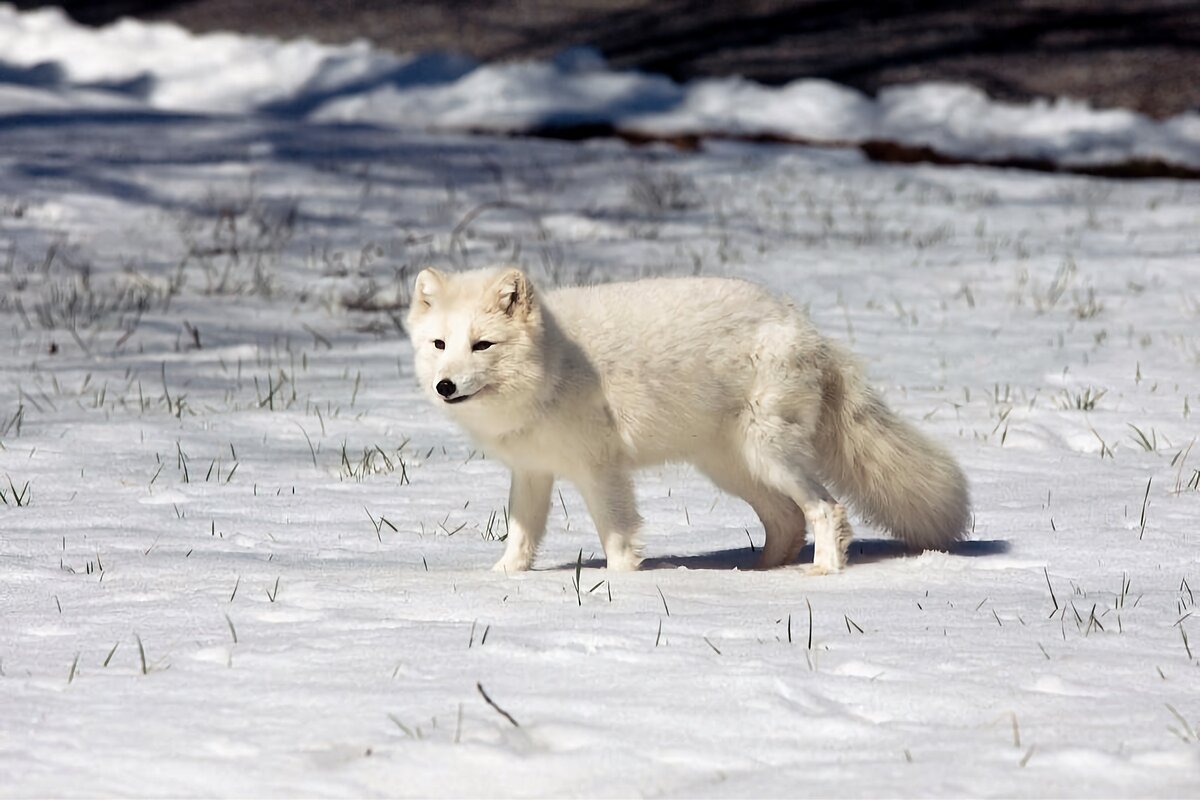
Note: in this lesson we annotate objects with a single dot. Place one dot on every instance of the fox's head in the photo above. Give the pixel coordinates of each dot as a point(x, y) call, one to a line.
point(477, 339)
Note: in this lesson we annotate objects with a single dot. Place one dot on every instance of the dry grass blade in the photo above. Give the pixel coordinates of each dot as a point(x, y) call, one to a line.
point(492, 703)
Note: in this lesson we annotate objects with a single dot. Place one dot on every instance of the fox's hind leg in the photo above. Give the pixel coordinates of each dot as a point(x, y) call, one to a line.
point(780, 460)
point(782, 519)
point(528, 507)
point(783, 525)
point(831, 535)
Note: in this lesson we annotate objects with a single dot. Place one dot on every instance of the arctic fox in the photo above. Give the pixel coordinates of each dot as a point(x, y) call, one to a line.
point(591, 383)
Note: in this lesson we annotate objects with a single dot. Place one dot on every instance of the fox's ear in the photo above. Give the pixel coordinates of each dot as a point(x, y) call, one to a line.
point(514, 294)
point(425, 290)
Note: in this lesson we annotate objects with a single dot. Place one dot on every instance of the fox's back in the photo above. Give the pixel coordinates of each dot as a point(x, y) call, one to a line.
point(676, 356)
point(682, 321)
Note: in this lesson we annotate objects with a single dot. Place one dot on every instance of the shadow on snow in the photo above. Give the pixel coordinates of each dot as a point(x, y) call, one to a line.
point(863, 551)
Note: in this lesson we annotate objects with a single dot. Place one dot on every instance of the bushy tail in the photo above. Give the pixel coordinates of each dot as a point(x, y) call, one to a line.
point(894, 475)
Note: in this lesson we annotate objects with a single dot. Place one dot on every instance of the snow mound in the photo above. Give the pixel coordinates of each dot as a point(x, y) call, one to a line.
point(164, 67)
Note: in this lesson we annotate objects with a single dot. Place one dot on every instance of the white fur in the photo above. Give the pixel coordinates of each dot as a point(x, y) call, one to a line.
point(589, 384)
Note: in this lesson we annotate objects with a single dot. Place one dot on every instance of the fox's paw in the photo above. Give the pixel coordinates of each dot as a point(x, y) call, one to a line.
point(764, 563)
point(779, 554)
point(509, 564)
point(624, 562)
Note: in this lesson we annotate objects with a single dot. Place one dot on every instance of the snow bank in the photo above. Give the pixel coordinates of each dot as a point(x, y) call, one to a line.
point(171, 69)
point(165, 67)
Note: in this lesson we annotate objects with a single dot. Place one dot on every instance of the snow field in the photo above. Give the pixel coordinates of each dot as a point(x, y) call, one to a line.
point(259, 565)
point(241, 555)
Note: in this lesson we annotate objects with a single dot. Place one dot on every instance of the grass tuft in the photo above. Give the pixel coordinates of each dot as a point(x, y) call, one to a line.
point(18, 498)
point(1188, 733)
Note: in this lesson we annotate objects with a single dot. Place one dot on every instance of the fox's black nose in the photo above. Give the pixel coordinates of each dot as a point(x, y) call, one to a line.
point(445, 387)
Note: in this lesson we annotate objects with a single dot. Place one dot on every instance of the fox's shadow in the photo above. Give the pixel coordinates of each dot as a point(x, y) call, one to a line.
point(863, 551)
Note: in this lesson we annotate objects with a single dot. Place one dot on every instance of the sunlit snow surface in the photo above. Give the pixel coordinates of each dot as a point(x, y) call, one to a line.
point(241, 555)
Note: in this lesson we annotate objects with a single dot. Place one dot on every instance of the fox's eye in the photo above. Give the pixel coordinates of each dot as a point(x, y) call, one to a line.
point(439, 344)
point(481, 345)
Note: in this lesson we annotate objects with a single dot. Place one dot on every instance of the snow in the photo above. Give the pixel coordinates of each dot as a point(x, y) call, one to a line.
point(163, 66)
point(240, 554)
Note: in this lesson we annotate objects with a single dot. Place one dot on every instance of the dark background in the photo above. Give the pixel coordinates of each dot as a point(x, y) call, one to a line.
point(1141, 54)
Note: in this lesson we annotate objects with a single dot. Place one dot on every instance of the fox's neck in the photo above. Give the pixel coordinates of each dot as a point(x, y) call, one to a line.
point(524, 410)
point(554, 349)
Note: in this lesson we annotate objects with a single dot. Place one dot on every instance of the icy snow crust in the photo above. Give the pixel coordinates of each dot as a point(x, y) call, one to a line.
point(240, 554)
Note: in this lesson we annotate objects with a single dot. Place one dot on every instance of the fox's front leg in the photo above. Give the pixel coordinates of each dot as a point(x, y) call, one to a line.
point(613, 506)
point(528, 506)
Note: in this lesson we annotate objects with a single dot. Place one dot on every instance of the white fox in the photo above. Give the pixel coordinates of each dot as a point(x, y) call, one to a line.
point(589, 384)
